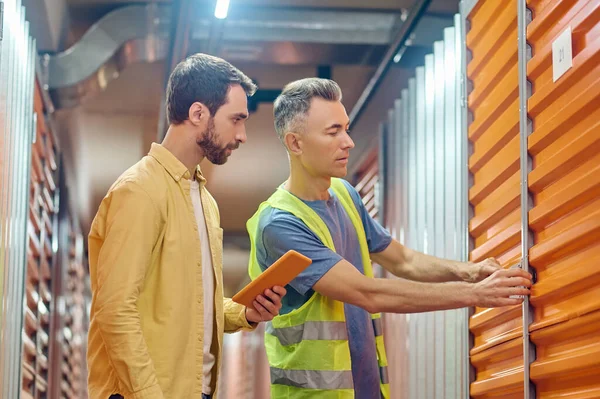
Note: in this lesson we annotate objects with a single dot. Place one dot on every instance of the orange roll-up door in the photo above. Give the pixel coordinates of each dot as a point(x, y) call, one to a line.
point(495, 228)
point(565, 185)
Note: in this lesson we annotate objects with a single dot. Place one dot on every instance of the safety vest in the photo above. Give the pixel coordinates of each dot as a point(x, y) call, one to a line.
point(308, 348)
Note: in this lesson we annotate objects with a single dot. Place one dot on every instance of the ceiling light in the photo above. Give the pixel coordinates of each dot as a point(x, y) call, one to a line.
point(221, 9)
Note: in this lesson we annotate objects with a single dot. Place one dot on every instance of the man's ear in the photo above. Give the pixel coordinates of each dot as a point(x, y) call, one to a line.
point(293, 142)
point(198, 113)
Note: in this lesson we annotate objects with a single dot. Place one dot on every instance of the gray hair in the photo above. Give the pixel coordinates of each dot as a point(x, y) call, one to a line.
point(292, 105)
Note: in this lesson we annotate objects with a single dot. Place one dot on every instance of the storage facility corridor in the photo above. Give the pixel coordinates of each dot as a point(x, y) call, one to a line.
point(474, 134)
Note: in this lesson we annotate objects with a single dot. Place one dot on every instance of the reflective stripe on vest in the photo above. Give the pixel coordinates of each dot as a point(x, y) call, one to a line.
point(377, 327)
point(313, 379)
point(311, 330)
point(383, 373)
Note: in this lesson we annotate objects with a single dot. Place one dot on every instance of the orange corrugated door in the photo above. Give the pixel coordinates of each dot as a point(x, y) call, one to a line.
point(565, 185)
point(495, 228)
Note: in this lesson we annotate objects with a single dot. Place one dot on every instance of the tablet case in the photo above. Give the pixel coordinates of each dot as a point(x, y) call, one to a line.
point(280, 273)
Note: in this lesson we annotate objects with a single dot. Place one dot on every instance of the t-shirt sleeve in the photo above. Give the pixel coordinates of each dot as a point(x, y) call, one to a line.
point(378, 238)
point(286, 232)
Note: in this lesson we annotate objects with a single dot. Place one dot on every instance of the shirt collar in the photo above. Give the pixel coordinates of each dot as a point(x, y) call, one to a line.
point(172, 165)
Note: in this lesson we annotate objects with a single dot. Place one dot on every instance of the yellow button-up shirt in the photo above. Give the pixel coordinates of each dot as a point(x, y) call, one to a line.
point(147, 316)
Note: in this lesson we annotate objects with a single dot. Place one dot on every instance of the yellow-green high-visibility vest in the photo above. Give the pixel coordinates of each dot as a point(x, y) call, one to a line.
point(308, 348)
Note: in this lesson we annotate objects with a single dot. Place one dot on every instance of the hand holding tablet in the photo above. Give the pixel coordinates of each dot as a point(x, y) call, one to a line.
point(280, 273)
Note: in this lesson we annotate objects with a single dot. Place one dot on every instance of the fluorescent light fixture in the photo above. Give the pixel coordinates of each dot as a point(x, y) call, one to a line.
point(400, 53)
point(221, 9)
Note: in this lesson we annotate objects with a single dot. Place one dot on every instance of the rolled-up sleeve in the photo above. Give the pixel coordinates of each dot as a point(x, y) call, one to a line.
point(235, 317)
point(130, 235)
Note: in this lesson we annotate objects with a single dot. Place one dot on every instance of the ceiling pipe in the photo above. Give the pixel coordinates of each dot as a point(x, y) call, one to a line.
point(398, 45)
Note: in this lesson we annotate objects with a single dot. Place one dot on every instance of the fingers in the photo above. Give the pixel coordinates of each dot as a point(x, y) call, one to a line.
point(507, 302)
point(515, 282)
point(511, 293)
point(493, 261)
point(280, 290)
point(490, 269)
point(487, 270)
point(265, 315)
point(511, 297)
point(506, 287)
point(268, 306)
point(518, 291)
point(514, 273)
point(514, 286)
point(275, 298)
point(271, 307)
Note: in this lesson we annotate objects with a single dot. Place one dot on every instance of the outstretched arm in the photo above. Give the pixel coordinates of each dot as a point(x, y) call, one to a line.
point(345, 283)
point(412, 265)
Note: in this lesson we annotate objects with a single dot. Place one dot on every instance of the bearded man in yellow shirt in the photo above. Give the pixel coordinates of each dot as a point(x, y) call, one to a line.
point(155, 250)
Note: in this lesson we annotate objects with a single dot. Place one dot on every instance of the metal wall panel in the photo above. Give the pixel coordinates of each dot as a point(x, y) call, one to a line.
point(565, 184)
point(245, 369)
point(368, 184)
point(423, 210)
point(450, 212)
point(389, 207)
point(420, 160)
point(17, 57)
point(495, 226)
point(395, 326)
point(412, 240)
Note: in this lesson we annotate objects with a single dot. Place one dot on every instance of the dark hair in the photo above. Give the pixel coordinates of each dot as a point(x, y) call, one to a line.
point(202, 78)
point(292, 105)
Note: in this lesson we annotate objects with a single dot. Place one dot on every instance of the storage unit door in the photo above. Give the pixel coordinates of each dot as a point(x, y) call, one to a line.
point(565, 185)
point(495, 227)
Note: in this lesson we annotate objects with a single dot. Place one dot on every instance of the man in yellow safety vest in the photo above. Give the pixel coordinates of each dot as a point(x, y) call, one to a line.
point(327, 340)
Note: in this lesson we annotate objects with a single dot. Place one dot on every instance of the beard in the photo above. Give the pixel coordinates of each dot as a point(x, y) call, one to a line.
point(210, 144)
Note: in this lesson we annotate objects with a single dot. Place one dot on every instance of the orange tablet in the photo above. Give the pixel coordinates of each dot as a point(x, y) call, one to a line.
point(284, 270)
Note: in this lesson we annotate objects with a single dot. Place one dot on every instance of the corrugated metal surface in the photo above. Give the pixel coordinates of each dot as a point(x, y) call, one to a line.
point(495, 192)
point(368, 183)
point(68, 372)
point(565, 183)
point(41, 230)
point(17, 60)
point(245, 369)
point(423, 134)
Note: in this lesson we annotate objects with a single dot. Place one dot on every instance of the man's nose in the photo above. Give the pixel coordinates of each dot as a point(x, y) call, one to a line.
point(241, 136)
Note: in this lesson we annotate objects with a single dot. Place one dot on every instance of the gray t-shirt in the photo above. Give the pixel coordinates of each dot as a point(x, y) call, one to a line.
point(279, 231)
